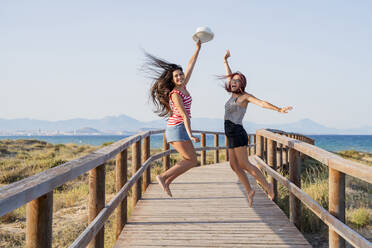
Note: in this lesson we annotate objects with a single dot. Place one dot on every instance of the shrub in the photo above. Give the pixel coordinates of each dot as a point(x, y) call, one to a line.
point(359, 217)
point(57, 147)
point(57, 162)
point(9, 239)
point(107, 143)
point(351, 154)
point(4, 151)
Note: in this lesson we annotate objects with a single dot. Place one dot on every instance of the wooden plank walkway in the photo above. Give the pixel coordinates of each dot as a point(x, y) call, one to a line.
point(208, 209)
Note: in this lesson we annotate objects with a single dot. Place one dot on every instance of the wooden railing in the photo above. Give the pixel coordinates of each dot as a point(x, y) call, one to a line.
point(272, 148)
point(37, 191)
point(270, 144)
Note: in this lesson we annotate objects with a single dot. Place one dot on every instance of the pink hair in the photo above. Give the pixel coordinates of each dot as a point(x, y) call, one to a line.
point(242, 85)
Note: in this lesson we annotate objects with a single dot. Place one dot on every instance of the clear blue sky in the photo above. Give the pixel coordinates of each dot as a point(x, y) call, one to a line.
point(68, 59)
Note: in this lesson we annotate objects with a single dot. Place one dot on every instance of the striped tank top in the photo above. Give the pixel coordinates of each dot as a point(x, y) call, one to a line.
point(176, 117)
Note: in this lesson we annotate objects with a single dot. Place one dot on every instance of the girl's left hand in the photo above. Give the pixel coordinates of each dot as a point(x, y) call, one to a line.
point(285, 110)
point(195, 139)
point(198, 44)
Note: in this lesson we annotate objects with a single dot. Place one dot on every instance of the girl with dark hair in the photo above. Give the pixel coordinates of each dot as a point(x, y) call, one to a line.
point(172, 100)
point(237, 138)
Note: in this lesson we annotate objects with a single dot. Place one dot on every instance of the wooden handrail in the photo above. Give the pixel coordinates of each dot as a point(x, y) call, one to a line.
point(17, 194)
point(299, 136)
point(208, 132)
point(297, 147)
point(346, 232)
point(355, 169)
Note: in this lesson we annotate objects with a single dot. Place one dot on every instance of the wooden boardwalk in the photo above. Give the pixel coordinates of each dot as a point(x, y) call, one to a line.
point(208, 209)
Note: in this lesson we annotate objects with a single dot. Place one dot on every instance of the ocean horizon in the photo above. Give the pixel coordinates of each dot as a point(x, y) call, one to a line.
point(333, 143)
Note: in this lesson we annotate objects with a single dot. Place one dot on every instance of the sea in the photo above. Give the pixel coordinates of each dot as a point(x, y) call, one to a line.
point(332, 143)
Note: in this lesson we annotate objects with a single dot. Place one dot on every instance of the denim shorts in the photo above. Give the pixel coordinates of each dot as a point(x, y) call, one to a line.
point(176, 133)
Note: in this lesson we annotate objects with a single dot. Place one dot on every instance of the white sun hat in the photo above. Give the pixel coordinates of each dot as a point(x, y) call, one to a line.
point(204, 34)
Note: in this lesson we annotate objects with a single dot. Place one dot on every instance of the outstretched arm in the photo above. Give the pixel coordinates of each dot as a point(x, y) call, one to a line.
point(191, 64)
point(227, 67)
point(264, 104)
point(186, 120)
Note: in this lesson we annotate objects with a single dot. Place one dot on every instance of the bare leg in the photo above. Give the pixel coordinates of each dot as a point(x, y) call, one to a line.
point(243, 162)
point(242, 176)
point(187, 151)
point(180, 168)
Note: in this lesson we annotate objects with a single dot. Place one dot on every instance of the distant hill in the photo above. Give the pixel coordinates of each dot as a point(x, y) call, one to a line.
point(304, 126)
point(127, 124)
point(110, 123)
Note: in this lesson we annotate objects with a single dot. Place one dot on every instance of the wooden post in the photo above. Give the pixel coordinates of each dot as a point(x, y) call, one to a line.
point(265, 150)
point(259, 146)
point(279, 155)
point(294, 177)
point(166, 160)
point(216, 152)
point(249, 145)
point(39, 218)
point(271, 161)
point(285, 156)
point(96, 201)
point(146, 178)
point(254, 141)
point(136, 164)
point(227, 150)
point(285, 159)
point(336, 204)
point(121, 179)
point(203, 157)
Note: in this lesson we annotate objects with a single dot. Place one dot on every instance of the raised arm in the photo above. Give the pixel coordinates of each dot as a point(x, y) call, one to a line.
point(191, 64)
point(227, 67)
point(264, 104)
point(186, 120)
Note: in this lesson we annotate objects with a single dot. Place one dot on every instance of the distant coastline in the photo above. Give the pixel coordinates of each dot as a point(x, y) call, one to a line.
point(331, 142)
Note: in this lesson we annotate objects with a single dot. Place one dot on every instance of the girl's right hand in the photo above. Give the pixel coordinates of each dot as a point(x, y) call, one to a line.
point(227, 55)
point(195, 139)
point(285, 110)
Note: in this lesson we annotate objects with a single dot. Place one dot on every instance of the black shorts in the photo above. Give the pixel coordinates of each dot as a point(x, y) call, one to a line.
point(236, 135)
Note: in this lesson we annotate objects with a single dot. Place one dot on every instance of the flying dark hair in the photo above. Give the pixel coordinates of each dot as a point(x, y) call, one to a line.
point(161, 72)
point(242, 85)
